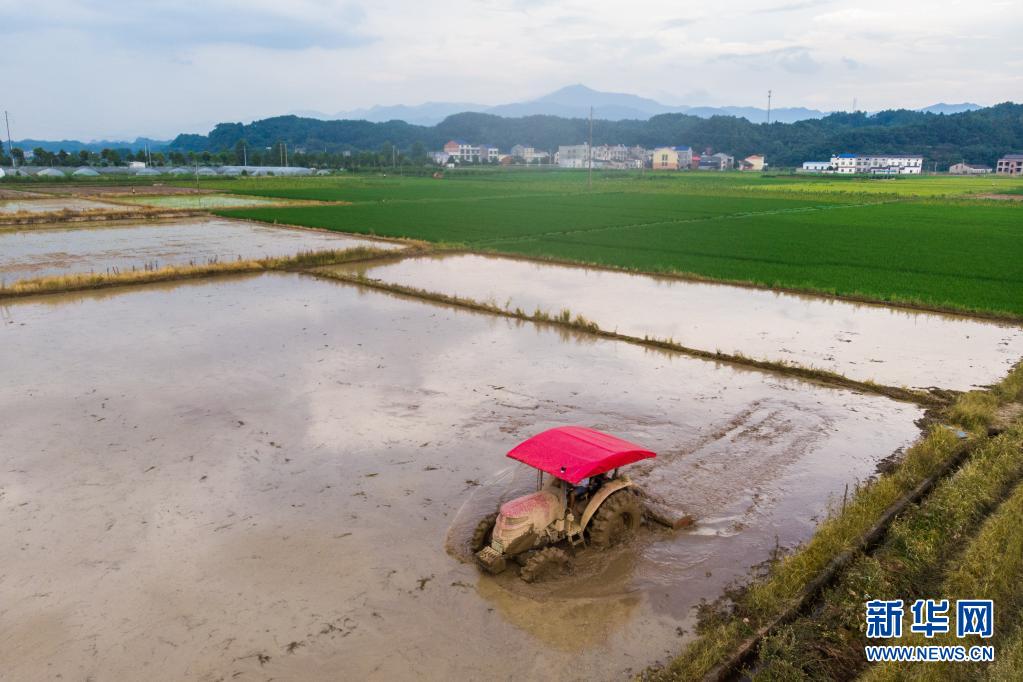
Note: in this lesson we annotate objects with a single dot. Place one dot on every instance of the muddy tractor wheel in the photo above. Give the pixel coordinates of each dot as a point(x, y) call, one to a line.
point(616, 519)
point(481, 536)
point(546, 563)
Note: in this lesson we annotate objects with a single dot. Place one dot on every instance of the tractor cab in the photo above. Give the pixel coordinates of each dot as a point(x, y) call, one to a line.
point(582, 496)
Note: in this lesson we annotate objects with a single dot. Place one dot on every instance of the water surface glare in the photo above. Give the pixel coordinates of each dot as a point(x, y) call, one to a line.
point(37, 252)
point(891, 346)
point(270, 476)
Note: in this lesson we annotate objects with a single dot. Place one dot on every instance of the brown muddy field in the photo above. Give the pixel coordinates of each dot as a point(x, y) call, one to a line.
point(38, 251)
point(891, 346)
point(272, 477)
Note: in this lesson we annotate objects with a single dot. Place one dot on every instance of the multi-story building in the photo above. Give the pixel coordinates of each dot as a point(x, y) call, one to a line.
point(717, 162)
point(889, 164)
point(843, 164)
point(1010, 164)
point(611, 154)
point(574, 156)
point(672, 158)
point(664, 158)
point(877, 164)
point(529, 154)
point(462, 151)
point(968, 169)
point(489, 154)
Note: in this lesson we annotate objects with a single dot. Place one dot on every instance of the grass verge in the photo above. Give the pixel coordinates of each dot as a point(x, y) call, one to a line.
point(90, 215)
point(766, 605)
point(114, 278)
point(989, 568)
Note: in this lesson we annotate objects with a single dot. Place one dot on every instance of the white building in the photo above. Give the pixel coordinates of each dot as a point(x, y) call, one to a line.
point(877, 164)
point(969, 169)
point(488, 154)
point(816, 166)
point(843, 164)
point(574, 156)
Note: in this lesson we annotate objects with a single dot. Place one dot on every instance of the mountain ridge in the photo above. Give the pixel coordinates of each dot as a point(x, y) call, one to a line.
point(574, 101)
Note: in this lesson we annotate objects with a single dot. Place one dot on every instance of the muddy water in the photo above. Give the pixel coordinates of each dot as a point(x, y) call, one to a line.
point(865, 342)
point(259, 476)
point(37, 252)
point(53, 205)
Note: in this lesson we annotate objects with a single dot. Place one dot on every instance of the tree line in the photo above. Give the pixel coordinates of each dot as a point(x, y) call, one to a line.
point(979, 136)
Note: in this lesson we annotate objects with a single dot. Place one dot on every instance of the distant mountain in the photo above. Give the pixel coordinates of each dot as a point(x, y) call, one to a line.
point(573, 101)
point(72, 146)
point(942, 108)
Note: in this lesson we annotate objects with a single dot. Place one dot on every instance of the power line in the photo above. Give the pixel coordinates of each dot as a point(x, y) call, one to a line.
point(10, 146)
point(589, 180)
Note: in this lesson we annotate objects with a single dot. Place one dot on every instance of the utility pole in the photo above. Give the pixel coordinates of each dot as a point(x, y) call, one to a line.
point(589, 180)
point(10, 147)
point(768, 107)
point(285, 154)
point(245, 156)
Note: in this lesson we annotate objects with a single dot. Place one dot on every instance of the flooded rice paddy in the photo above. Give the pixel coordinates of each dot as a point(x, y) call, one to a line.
point(867, 342)
point(37, 251)
point(273, 476)
point(53, 205)
point(201, 201)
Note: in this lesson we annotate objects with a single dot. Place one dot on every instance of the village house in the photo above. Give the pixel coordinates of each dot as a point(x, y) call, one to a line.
point(1010, 164)
point(754, 162)
point(968, 169)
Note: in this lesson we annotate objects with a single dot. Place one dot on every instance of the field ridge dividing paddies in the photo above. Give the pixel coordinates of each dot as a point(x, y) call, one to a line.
point(119, 278)
point(565, 318)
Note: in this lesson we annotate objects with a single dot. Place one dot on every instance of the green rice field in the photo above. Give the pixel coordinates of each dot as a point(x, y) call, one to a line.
point(916, 240)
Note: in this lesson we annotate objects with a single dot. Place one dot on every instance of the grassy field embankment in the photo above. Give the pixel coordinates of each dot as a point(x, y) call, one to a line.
point(113, 278)
point(941, 543)
point(867, 239)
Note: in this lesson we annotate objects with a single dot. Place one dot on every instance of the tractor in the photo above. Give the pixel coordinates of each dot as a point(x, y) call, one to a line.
point(582, 500)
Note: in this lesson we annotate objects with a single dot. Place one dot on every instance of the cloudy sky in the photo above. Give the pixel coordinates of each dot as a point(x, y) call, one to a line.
point(92, 69)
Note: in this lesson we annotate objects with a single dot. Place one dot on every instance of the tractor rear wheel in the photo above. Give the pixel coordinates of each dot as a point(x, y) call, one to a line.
point(545, 563)
point(616, 519)
point(481, 536)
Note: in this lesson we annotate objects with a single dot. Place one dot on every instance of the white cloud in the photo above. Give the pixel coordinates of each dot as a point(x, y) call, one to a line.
point(98, 68)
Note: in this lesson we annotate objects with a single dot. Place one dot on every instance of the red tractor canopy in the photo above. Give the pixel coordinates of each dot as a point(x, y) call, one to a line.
point(573, 453)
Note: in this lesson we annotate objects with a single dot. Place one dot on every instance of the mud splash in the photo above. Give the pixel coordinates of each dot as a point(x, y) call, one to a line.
point(866, 342)
point(39, 252)
point(258, 476)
